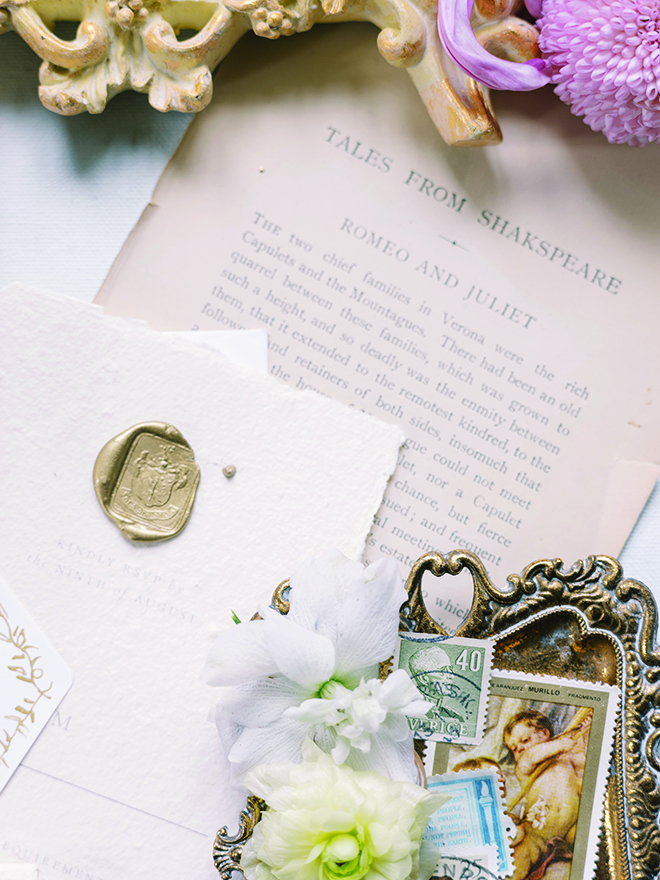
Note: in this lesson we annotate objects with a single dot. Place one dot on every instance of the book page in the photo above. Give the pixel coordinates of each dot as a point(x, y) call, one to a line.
point(498, 304)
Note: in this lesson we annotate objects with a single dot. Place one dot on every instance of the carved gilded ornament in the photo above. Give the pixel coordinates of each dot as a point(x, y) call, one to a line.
point(133, 44)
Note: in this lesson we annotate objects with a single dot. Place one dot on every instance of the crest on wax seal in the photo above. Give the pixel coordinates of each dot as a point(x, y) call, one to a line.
point(146, 480)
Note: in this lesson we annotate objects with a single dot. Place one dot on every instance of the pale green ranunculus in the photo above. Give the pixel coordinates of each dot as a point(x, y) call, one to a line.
point(328, 822)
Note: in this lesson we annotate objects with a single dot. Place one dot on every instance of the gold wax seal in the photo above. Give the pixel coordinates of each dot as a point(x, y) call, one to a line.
point(146, 479)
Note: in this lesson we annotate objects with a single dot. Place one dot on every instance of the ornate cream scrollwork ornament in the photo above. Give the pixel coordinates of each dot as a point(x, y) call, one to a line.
point(137, 44)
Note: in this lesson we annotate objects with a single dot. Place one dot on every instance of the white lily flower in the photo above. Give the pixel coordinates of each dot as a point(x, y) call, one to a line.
point(313, 673)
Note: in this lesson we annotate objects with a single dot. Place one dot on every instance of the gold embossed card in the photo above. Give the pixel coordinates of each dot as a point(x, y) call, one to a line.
point(33, 681)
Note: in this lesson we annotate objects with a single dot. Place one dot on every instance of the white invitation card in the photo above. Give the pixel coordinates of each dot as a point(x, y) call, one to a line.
point(128, 778)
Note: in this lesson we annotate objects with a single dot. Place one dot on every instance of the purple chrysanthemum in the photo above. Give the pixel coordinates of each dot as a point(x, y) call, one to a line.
point(605, 57)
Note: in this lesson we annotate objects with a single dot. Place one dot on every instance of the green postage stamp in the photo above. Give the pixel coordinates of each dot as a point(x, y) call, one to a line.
point(453, 674)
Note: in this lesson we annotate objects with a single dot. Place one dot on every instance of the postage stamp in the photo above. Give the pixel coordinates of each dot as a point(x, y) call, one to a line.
point(474, 818)
point(472, 866)
point(550, 741)
point(453, 674)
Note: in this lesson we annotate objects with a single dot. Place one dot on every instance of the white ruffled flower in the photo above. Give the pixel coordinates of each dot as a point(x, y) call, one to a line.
point(357, 714)
point(313, 673)
point(327, 822)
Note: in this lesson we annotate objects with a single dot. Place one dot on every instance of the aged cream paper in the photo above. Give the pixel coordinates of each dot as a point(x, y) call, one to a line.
point(129, 768)
point(499, 304)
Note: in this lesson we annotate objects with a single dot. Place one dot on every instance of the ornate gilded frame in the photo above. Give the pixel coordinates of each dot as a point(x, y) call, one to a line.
point(133, 44)
point(586, 622)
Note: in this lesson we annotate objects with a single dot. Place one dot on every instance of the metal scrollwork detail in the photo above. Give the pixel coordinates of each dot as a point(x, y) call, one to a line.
point(589, 622)
point(281, 597)
point(227, 849)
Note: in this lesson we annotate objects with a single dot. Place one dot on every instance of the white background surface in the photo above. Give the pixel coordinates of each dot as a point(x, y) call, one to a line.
point(71, 189)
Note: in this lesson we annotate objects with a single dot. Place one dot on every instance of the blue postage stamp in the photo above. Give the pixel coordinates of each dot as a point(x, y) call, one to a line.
point(453, 674)
point(474, 817)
